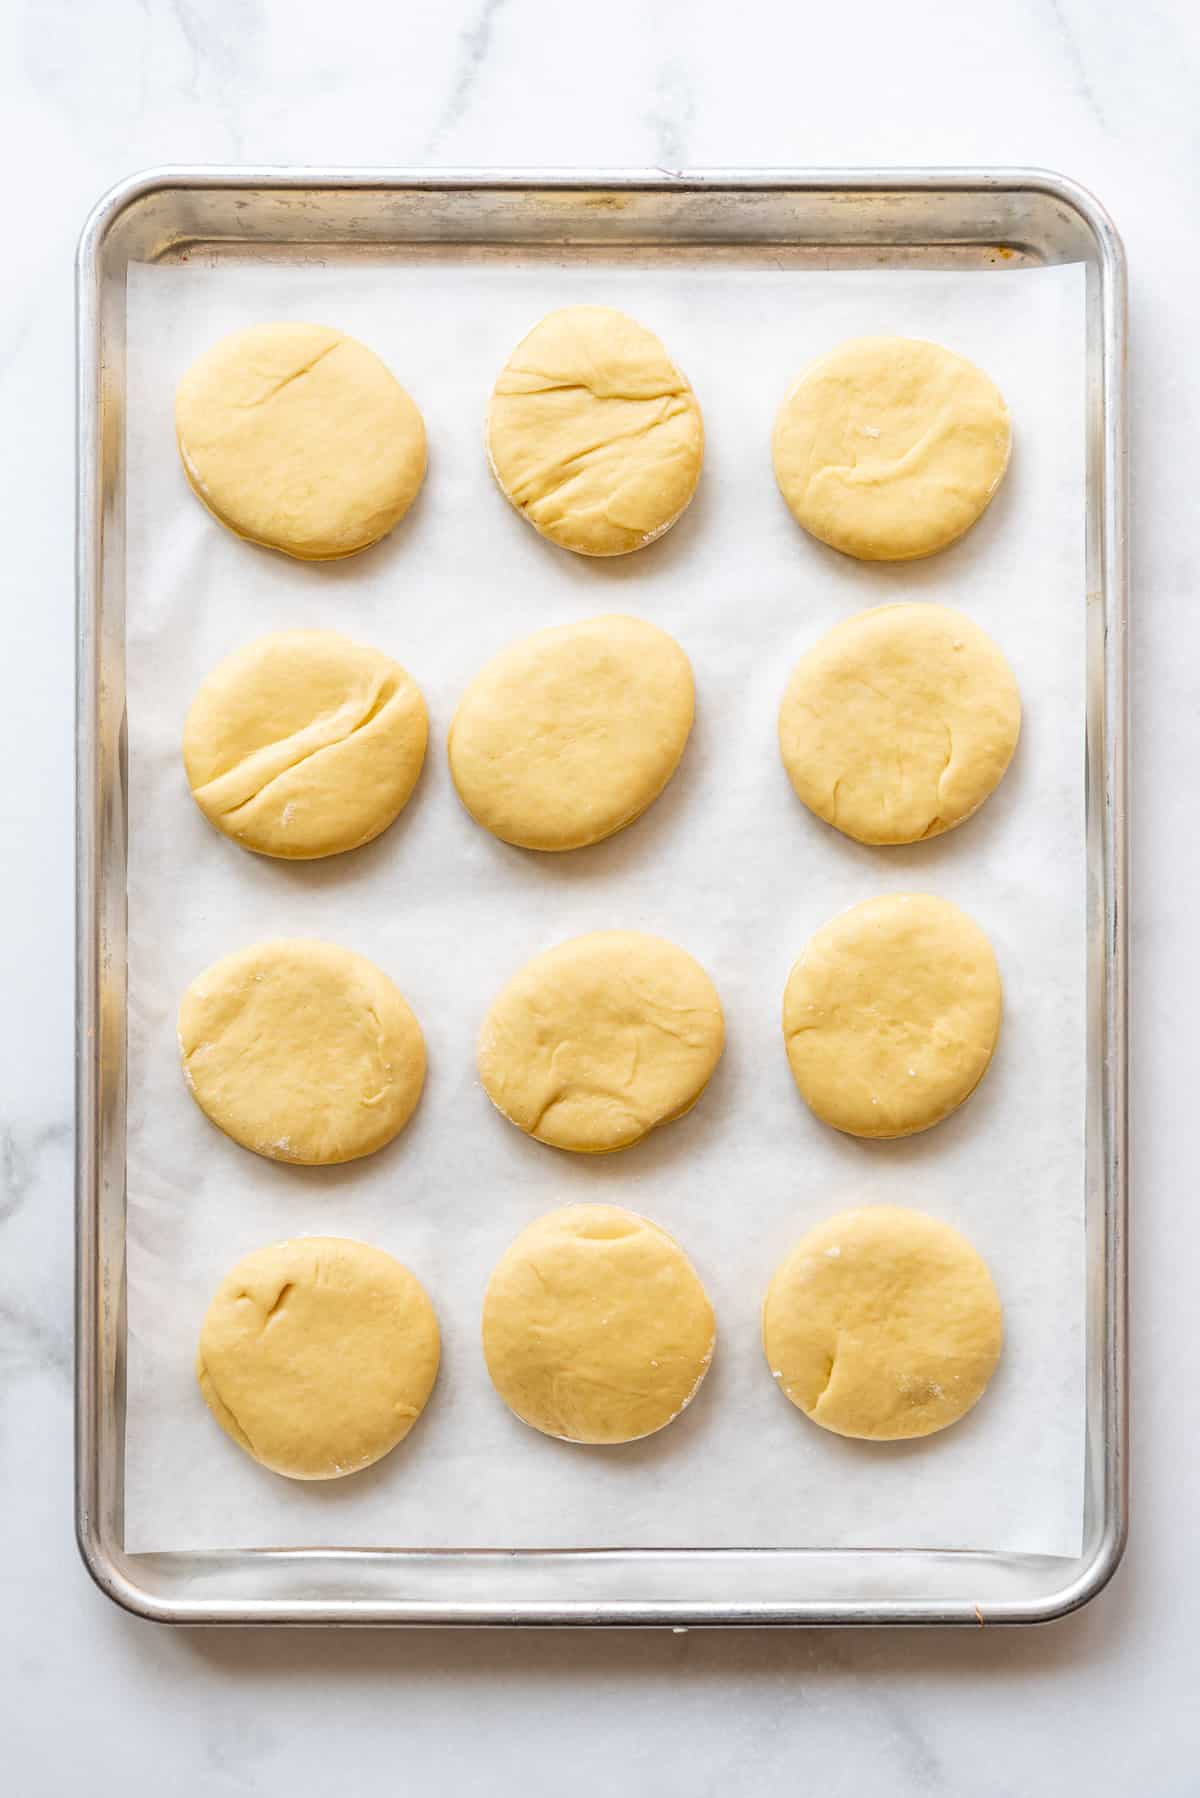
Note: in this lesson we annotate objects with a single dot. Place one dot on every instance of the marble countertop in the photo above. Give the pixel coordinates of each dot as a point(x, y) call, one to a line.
point(1104, 1702)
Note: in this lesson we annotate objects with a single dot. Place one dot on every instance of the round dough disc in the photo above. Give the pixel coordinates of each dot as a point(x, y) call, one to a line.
point(304, 744)
point(570, 734)
point(593, 433)
point(882, 1324)
point(596, 1327)
point(597, 1041)
point(891, 1015)
point(899, 723)
point(890, 448)
point(298, 437)
point(301, 1051)
point(317, 1356)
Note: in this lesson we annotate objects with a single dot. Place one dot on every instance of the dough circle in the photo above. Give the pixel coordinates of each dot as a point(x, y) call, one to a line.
point(317, 1355)
point(891, 1015)
point(568, 735)
point(596, 1327)
point(600, 1039)
point(304, 744)
point(899, 723)
point(298, 437)
point(593, 433)
point(882, 1324)
point(301, 1051)
point(889, 448)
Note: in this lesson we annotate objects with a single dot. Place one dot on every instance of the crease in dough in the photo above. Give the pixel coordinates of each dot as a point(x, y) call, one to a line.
point(301, 1051)
point(317, 1355)
point(303, 744)
point(298, 437)
point(593, 434)
point(891, 1015)
point(899, 723)
point(891, 448)
point(596, 1327)
point(883, 1324)
point(596, 1042)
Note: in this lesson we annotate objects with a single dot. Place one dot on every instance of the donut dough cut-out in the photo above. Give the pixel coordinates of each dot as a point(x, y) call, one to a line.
point(891, 1015)
point(889, 448)
point(317, 1356)
point(593, 433)
point(596, 1327)
point(882, 1324)
point(598, 1040)
point(304, 744)
point(568, 735)
point(301, 1051)
point(899, 723)
point(298, 437)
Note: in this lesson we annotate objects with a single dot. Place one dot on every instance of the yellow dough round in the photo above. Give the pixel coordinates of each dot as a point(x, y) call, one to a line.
point(882, 1324)
point(301, 1051)
point(600, 1039)
point(889, 448)
point(317, 1356)
point(891, 1015)
point(596, 1327)
point(570, 734)
point(304, 744)
point(298, 437)
point(593, 433)
point(898, 724)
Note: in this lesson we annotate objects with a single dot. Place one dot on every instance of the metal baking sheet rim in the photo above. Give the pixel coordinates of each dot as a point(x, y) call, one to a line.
point(314, 1586)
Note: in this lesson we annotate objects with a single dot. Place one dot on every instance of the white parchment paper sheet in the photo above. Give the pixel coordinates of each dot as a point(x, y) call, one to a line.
point(727, 863)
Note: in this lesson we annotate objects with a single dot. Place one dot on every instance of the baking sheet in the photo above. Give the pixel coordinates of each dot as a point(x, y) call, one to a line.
point(727, 863)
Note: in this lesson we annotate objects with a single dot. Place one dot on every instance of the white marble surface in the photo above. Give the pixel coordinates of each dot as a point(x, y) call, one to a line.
point(92, 89)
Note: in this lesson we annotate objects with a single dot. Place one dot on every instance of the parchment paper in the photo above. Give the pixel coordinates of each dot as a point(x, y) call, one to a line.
point(727, 863)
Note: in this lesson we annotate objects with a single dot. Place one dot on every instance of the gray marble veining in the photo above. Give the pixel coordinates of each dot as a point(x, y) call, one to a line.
point(473, 48)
